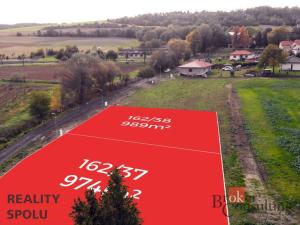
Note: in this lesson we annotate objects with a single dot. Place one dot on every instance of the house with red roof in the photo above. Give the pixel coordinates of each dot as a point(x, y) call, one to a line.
point(241, 55)
point(286, 45)
point(291, 46)
point(296, 47)
point(196, 68)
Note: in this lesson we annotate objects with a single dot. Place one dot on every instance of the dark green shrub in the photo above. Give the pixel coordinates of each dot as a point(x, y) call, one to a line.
point(147, 72)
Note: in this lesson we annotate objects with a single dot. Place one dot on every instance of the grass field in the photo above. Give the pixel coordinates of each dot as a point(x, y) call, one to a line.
point(24, 30)
point(14, 46)
point(32, 72)
point(271, 109)
point(52, 72)
point(199, 94)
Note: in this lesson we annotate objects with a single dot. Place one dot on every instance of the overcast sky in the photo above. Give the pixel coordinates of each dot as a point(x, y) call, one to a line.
point(58, 11)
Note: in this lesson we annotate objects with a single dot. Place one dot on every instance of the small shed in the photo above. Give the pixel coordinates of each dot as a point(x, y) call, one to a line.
point(292, 64)
point(195, 68)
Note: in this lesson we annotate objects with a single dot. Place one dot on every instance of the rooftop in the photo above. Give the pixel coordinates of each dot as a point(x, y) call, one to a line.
point(196, 64)
point(241, 52)
point(286, 43)
point(297, 42)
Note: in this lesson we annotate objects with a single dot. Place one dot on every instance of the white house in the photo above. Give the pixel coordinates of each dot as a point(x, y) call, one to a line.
point(296, 47)
point(286, 45)
point(195, 68)
point(241, 55)
point(292, 64)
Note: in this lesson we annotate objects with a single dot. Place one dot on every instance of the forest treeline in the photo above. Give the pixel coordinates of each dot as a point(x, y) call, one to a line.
point(263, 15)
point(179, 24)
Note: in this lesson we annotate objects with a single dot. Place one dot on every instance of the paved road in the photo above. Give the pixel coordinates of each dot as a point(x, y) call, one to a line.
point(48, 131)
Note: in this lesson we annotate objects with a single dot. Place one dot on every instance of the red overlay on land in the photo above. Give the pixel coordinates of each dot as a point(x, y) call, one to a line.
point(170, 160)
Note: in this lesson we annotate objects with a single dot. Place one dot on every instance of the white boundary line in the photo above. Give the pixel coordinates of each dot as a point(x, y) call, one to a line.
point(227, 211)
point(142, 143)
point(178, 148)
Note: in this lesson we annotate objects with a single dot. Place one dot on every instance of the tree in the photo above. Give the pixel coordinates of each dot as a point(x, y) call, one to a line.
point(147, 72)
point(258, 39)
point(2, 57)
point(113, 207)
point(71, 50)
point(22, 58)
point(200, 39)
point(162, 60)
point(154, 43)
point(219, 38)
point(67, 53)
point(112, 71)
point(272, 56)
point(84, 76)
point(244, 37)
point(111, 55)
point(100, 53)
point(168, 35)
point(265, 36)
point(77, 81)
point(150, 35)
point(117, 208)
point(180, 49)
point(87, 212)
point(40, 53)
point(295, 33)
point(145, 49)
point(240, 37)
point(39, 105)
point(277, 35)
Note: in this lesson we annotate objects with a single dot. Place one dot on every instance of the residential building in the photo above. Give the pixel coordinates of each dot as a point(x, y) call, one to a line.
point(196, 68)
point(286, 45)
point(241, 55)
point(292, 64)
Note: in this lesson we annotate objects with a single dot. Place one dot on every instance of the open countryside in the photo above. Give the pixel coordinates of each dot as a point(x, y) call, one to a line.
point(55, 76)
point(19, 45)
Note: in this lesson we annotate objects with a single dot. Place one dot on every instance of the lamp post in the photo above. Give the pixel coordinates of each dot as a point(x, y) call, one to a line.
point(54, 115)
point(102, 95)
point(156, 64)
point(160, 71)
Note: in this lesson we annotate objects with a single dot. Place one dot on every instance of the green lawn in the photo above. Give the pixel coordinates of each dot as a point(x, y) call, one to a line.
point(134, 74)
point(48, 59)
point(271, 109)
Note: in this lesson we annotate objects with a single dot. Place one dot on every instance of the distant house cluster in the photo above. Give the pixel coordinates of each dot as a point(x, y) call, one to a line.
point(291, 46)
point(138, 52)
point(201, 68)
point(133, 52)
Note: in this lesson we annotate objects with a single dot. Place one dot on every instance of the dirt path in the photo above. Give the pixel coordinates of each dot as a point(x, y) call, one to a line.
point(254, 173)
